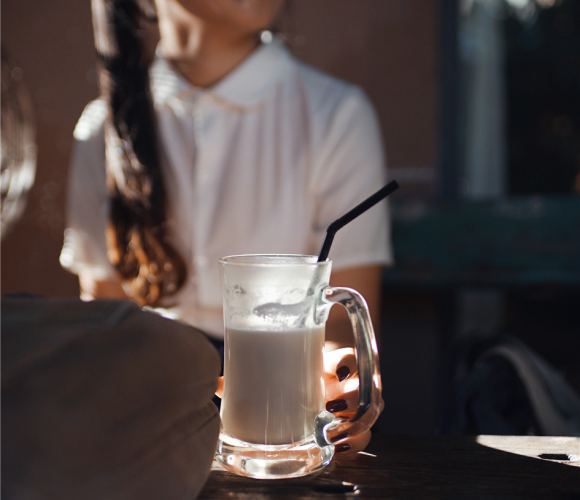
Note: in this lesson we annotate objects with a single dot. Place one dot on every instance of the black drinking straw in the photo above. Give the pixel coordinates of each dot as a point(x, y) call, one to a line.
point(353, 214)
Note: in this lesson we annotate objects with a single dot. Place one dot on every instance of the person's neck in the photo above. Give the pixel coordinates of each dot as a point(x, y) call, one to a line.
point(202, 54)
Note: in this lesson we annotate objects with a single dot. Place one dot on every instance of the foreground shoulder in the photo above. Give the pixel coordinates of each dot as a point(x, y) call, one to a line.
point(90, 124)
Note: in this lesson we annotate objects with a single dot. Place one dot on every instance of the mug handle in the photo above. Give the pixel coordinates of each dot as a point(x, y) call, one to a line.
point(370, 402)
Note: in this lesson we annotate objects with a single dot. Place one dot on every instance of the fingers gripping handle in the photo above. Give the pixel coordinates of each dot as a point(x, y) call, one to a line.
point(370, 402)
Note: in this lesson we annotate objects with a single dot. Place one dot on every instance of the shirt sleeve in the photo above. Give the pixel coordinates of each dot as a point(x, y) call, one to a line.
point(85, 249)
point(350, 167)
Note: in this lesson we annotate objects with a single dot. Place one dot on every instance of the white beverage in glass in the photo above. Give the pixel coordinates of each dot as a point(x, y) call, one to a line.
point(274, 387)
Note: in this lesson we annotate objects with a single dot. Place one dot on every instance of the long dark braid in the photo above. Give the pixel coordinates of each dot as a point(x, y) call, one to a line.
point(150, 268)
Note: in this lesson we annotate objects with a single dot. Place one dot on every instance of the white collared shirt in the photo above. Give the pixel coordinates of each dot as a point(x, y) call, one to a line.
point(262, 162)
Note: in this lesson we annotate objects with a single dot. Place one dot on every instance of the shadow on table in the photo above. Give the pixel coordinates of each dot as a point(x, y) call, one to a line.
point(397, 467)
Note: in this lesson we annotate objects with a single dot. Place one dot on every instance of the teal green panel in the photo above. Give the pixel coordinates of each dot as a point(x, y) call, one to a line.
point(519, 241)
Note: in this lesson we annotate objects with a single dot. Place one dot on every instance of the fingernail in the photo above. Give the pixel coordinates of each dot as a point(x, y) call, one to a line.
point(336, 405)
point(342, 373)
point(342, 447)
point(340, 436)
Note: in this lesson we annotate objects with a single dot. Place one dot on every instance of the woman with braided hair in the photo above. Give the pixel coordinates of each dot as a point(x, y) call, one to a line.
point(225, 144)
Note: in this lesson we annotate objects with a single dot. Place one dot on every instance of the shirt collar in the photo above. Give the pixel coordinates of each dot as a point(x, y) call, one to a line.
point(248, 84)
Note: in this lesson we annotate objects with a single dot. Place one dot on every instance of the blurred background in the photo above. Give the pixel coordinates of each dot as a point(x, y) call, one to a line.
point(479, 104)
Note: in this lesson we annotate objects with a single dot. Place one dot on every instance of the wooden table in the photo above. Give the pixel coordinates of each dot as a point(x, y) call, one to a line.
point(495, 467)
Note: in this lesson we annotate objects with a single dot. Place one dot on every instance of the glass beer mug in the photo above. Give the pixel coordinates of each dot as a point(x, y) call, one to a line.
point(274, 424)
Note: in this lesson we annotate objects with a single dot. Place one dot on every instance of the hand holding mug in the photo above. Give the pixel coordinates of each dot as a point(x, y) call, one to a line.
point(342, 397)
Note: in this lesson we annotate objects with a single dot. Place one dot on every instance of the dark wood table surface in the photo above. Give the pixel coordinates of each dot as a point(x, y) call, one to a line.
point(498, 467)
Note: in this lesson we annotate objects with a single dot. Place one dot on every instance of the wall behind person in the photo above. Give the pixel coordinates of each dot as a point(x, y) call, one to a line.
point(389, 47)
point(51, 42)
